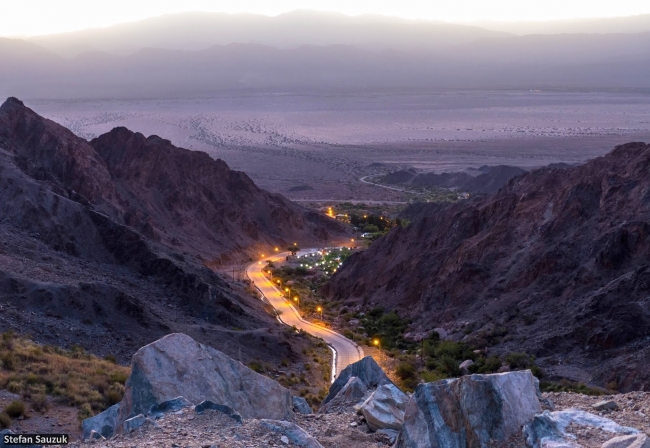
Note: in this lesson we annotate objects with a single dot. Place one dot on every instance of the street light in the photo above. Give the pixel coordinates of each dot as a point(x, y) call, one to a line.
point(288, 291)
point(377, 344)
point(295, 299)
point(320, 310)
point(276, 249)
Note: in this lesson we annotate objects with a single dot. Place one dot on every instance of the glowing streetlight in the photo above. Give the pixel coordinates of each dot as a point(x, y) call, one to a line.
point(295, 299)
point(320, 310)
point(376, 342)
point(276, 249)
point(279, 281)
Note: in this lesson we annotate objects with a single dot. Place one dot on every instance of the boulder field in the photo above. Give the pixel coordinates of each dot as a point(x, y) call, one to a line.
point(178, 380)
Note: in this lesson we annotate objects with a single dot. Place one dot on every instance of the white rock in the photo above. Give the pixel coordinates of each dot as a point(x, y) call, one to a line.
point(548, 429)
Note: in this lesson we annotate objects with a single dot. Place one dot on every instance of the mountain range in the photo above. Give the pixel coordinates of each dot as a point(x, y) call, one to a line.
point(200, 53)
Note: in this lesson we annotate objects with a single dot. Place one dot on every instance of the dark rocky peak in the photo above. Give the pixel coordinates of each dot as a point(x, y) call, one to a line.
point(49, 152)
point(132, 156)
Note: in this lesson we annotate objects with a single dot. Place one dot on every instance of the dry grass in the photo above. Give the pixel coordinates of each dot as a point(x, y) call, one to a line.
point(73, 377)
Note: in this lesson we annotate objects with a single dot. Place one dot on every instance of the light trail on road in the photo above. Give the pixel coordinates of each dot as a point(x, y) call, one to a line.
point(345, 351)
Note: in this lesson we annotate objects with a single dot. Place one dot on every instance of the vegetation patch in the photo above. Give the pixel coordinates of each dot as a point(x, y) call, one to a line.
point(72, 377)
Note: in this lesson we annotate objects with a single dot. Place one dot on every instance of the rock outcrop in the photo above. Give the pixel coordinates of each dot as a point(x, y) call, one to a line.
point(300, 405)
point(560, 254)
point(176, 365)
point(471, 411)
point(350, 395)
point(103, 423)
point(384, 409)
point(367, 371)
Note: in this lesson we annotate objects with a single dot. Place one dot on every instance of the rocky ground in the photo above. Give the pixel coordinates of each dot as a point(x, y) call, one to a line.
point(348, 430)
point(633, 411)
point(213, 429)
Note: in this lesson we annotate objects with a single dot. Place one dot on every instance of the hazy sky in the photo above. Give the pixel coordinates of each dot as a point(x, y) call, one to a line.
point(32, 17)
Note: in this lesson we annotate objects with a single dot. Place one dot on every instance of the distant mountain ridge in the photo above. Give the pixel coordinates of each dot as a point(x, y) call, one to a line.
point(194, 31)
point(526, 63)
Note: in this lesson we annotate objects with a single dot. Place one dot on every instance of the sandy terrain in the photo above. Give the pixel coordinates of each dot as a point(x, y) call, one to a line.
point(327, 142)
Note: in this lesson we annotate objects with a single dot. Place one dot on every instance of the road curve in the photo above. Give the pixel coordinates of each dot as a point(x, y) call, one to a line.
point(346, 351)
point(365, 180)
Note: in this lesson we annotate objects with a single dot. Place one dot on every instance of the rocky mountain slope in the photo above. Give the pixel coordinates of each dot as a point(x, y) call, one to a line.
point(555, 264)
point(108, 244)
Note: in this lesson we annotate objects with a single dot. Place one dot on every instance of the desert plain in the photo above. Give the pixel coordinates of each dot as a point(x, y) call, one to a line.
point(318, 145)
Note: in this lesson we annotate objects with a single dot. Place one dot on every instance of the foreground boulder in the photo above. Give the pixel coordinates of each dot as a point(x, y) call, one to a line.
point(548, 430)
point(367, 371)
point(178, 366)
point(351, 394)
point(470, 411)
point(384, 409)
point(103, 424)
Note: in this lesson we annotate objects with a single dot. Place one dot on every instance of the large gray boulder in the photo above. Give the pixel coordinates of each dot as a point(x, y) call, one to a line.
point(548, 430)
point(351, 394)
point(178, 366)
point(103, 423)
point(470, 411)
point(384, 409)
point(366, 370)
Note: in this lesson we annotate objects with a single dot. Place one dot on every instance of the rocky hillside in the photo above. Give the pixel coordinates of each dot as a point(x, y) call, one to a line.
point(108, 244)
point(554, 264)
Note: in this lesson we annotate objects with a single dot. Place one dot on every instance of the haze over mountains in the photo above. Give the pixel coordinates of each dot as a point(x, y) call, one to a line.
point(201, 53)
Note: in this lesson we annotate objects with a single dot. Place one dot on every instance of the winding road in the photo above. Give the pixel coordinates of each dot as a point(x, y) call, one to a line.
point(345, 351)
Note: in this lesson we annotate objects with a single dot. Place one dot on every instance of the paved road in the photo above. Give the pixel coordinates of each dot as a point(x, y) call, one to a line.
point(365, 180)
point(346, 351)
